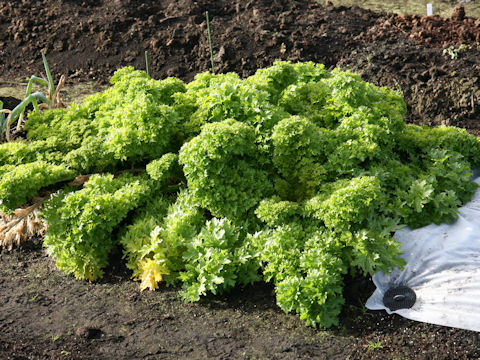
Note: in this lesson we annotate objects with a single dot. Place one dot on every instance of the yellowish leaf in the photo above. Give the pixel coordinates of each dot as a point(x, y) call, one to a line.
point(152, 273)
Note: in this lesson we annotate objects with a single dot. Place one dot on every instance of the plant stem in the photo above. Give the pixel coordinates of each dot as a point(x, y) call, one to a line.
point(27, 94)
point(210, 41)
point(31, 81)
point(147, 66)
point(21, 107)
point(51, 89)
point(2, 117)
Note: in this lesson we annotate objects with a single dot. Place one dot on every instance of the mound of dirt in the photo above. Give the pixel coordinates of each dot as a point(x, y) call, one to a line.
point(438, 90)
point(246, 35)
point(433, 31)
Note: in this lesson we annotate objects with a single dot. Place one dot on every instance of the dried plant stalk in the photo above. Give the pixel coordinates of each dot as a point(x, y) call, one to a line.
point(20, 227)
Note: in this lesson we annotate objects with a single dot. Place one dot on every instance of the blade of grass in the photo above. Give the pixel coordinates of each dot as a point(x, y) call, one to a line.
point(210, 41)
point(35, 106)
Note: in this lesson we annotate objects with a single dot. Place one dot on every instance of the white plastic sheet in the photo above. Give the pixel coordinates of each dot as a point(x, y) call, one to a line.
point(443, 268)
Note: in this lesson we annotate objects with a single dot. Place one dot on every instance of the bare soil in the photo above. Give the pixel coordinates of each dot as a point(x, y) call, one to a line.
point(46, 315)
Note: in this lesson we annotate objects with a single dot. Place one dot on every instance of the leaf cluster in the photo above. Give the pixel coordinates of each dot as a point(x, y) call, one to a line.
point(80, 223)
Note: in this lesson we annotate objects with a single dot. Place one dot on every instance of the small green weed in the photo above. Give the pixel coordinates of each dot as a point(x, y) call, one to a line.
point(453, 52)
point(373, 345)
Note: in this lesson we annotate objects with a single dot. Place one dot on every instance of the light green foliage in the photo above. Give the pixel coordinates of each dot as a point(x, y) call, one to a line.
point(184, 220)
point(21, 152)
point(18, 183)
point(162, 232)
point(300, 150)
point(275, 79)
point(65, 127)
point(133, 122)
point(346, 204)
point(274, 211)
point(215, 260)
point(213, 98)
point(167, 172)
point(80, 223)
point(296, 173)
point(307, 268)
point(129, 123)
point(437, 192)
point(222, 169)
point(417, 141)
point(140, 238)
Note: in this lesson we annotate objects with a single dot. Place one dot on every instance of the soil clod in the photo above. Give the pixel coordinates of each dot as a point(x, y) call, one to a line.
point(88, 333)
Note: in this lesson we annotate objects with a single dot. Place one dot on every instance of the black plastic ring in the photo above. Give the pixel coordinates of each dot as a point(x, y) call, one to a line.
point(400, 297)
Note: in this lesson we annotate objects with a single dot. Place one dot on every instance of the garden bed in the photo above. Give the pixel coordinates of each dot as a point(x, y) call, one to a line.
point(48, 315)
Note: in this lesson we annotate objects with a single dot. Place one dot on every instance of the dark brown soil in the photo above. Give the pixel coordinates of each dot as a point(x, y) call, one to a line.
point(45, 315)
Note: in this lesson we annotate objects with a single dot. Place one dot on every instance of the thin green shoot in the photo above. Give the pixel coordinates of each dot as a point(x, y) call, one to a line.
point(2, 115)
point(3, 120)
point(210, 41)
point(147, 66)
point(31, 81)
point(51, 87)
point(35, 107)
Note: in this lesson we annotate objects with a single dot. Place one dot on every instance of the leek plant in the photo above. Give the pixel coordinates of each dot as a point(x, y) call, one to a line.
point(52, 100)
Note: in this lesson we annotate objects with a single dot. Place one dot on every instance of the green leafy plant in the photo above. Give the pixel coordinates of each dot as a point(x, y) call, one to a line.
point(295, 175)
point(216, 260)
point(20, 182)
point(80, 223)
point(140, 240)
point(454, 52)
point(226, 150)
point(373, 345)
